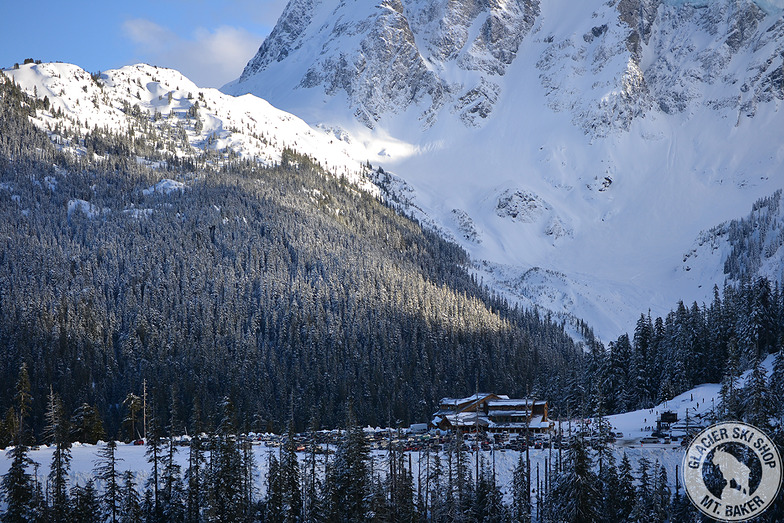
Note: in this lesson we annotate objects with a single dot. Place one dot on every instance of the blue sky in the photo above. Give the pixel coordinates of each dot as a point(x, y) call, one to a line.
point(208, 41)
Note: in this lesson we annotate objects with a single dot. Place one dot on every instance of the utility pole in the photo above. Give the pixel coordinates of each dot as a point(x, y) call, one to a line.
point(529, 408)
point(144, 408)
point(476, 430)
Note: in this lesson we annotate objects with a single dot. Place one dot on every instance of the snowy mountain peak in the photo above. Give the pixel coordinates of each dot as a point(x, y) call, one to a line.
point(386, 57)
point(448, 59)
point(179, 118)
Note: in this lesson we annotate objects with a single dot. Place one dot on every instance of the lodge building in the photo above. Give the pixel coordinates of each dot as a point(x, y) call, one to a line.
point(490, 412)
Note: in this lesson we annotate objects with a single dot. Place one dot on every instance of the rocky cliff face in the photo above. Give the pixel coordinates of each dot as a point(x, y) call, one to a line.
point(666, 56)
point(450, 57)
point(394, 54)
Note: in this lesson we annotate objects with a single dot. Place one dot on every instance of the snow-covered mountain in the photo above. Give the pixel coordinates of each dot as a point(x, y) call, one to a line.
point(576, 149)
point(183, 120)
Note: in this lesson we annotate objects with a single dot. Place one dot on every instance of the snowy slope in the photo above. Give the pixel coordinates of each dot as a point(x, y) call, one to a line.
point(575, 149)
point(162, 103)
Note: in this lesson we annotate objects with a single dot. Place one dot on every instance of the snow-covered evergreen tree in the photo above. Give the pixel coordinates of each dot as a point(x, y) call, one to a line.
point(643, 509)
point(756, 397)
point(172, 492)
point(17, 487)
point(195, 481)
point(730, 394)
point(56, 432)
point(574, 497)
point(130, 504)
point(86, 504)
point(348, 478)
point(273, 503)
point(227, 495)
point(488, 500)
point(776, 387)
point(107, 471)
point(290, 479)
point(521, 491)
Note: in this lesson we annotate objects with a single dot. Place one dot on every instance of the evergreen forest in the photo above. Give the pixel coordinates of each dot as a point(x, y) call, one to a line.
point(281, 287)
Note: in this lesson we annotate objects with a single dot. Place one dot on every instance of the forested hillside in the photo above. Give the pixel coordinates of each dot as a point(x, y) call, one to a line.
point(691, 345)
point(285, 288)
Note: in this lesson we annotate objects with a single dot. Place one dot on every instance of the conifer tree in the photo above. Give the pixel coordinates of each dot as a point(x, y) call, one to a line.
point(436, 490)
point(132, 404)
point(289, 471)
point(195, 478)
point(87, 507)
point(312, 479)
point(154, 455)
point(17, 487)
point(130, 506)
point(381, 509)
point(610, 501)
point(24, 401)
point(107, 472)
point(172, 491)
point(488, 501)
point(626, 492)
point(87, 425)
point(730, 397)
point(8, 427)
point(756, 397)
point(643, 506)
point(17, 484)
point(273, 504)
point(681, 508)
point(459, 492)
point(348, 477)
point(660, 493)
point(401, 491)
point(521, 492)
point(56, 432)
point(776, 392)
point(575, 497)
point(227, 498)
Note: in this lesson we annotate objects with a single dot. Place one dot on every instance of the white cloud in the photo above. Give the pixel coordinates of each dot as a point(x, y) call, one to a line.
point(210, 58)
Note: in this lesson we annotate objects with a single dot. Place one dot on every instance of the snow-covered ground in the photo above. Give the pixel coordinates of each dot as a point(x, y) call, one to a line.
point(84, 458)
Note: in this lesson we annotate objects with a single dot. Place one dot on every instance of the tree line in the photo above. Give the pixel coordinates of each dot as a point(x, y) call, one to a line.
point(582, 483)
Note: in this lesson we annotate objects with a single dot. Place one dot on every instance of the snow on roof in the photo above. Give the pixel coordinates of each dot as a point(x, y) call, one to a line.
point(473, 397)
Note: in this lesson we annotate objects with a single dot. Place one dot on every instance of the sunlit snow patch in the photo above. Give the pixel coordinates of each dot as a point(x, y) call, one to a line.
point(86, 208)
point(165, 186)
